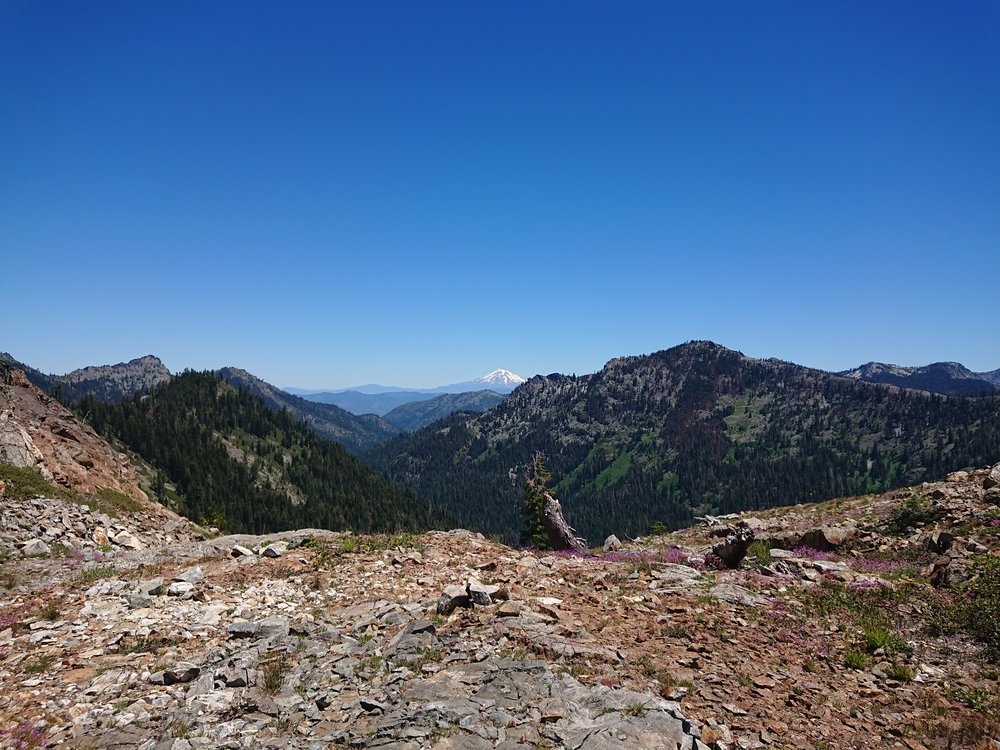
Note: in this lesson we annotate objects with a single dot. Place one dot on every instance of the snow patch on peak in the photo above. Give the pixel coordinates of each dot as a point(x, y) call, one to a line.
point(501, 377)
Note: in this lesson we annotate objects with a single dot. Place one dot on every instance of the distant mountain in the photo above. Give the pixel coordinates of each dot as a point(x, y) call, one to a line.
point(239, 464)
point(500, 381)
point(355, 433)
point(691, 430)
point(948, 378)
point(370, 388)
point(109, 383)
point(416, 414)
point(369, 403)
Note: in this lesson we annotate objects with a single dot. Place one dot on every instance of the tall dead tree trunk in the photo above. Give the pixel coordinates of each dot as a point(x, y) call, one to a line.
point(561, 534)
point(544, 508)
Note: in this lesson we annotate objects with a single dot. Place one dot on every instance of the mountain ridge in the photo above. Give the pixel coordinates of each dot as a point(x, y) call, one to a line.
point(947, 378)
point(500, 380)
point(416, 414)
point(105, 382)
point(686, 431)
point(356, 433)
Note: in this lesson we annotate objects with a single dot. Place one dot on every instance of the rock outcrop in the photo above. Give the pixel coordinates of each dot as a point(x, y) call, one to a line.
point(38, 432)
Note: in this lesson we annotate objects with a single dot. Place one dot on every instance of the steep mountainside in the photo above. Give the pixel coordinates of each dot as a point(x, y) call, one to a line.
point(417, 414)
point(109, 383)
point(237, 463)
point(948, 378)
point(355, 433)
point(993, 376)
point(692, 430)
point(37, 378)
point(39, 433)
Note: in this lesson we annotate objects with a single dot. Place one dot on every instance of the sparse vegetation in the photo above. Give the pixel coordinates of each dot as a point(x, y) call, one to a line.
point(96, 572)
point(25, 736)
point(38, 664)
point(900, 672)
point(274, 670)
point(115, 503)
point(910, 513)
point(981, 604)
point(634, 709)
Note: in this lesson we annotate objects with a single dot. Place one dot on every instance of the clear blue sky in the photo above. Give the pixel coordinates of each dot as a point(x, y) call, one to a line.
point(414, 193)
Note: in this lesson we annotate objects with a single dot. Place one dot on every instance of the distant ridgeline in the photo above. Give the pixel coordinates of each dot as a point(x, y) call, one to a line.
point(105, 382)
point(691, 430)
point(240, 465)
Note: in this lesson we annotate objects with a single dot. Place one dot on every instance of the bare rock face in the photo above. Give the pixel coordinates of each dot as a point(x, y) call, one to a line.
point(16, 446)
point(734, 548)
point(38, 432)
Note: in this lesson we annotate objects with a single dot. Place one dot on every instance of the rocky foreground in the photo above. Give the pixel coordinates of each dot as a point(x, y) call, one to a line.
point(845, 627)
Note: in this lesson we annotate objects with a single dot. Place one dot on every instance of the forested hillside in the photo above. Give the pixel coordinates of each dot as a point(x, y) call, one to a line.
point(240, 465)
point(416, 414)
point(695, 429)
point(356, 433)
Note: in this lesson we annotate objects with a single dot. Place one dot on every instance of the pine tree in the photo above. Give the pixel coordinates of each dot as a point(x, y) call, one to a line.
point(536, 479)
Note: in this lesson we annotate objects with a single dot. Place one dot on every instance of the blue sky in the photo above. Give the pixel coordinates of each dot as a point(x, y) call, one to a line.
point(330, 194)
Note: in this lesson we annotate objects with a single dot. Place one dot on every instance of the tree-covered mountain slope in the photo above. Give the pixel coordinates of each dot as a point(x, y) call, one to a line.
point(691, 430)
point(237, 463)
point(356, 433)
point(417, 414)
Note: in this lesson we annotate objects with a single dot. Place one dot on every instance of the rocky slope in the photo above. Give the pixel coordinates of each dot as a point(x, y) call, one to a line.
point(115, 382)
point(38, 432)
point(414, 415)
point(109, 383)
point(834, 633)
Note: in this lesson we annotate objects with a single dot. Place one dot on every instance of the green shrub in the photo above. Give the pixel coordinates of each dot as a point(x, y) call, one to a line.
point(98, 571)
point(912, 511)
point(761, 550)
point(878, 635)
point(900, 672)
point(981, 614)
point(855, 659)
point(274, 670)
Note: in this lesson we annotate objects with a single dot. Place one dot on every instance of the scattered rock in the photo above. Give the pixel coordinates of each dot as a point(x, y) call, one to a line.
point(451, 598)
point(275, 549)
point(35, 547)
point(127, 539)
point(612, 544)
point(180, 588)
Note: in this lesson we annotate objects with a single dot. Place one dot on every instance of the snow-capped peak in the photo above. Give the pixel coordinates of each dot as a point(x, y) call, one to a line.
point(501, 377)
